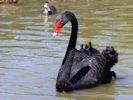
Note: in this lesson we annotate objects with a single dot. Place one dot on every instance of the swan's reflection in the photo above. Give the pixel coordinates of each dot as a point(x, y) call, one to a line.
point(47, 22)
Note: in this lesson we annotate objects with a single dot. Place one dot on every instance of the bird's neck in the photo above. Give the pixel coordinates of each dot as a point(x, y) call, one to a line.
point(73, 37)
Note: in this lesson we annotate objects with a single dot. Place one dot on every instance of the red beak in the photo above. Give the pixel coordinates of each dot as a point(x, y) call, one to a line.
point(57, 28)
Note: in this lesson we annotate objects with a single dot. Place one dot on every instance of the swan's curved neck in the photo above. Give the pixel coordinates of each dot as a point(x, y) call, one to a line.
point(73, 37)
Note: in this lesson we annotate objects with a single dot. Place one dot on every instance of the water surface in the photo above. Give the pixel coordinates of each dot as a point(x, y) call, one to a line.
point(30, 57)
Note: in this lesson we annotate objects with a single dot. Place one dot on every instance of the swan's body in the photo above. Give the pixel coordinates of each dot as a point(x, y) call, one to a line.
point(49, 9)
point(84, 68)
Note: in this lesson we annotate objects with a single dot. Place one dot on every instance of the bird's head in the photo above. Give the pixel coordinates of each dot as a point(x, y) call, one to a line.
point(61, 20)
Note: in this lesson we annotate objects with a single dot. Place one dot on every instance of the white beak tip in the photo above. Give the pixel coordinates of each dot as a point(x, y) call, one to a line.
point(54, 34)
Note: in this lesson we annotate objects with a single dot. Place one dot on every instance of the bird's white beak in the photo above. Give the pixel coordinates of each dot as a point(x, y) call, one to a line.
point(55, 34)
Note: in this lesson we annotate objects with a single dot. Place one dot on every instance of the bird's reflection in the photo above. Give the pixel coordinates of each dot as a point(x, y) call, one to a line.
point(46, 20)
point(46, 23)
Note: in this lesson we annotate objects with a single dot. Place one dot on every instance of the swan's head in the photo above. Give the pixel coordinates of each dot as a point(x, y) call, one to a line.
point(61, 20)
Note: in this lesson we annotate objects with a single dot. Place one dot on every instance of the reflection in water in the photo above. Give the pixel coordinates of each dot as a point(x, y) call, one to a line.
point(46, 24)
point(30, 57)
point(45, 20)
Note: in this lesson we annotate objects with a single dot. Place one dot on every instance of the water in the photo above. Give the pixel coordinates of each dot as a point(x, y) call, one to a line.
point(30, 58)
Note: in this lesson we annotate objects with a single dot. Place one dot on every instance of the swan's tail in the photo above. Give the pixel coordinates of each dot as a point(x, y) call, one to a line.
point(111, 54)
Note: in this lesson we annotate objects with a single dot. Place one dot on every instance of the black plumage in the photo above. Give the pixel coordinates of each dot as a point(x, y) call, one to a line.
point(86, 67)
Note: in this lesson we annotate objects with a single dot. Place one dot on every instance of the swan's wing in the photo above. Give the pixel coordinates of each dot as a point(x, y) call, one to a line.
point(79, 70)
point(94, 76)
point(84, 52)
point(79, 56)
point(80, 65)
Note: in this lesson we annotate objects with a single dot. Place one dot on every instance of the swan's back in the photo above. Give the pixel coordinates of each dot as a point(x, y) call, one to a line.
point(84, 52)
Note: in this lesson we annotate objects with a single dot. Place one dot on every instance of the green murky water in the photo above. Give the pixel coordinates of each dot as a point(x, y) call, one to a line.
point(30, 57)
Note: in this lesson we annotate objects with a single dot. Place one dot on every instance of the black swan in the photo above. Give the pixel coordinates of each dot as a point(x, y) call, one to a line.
point(49, 9)
point(84, 68)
